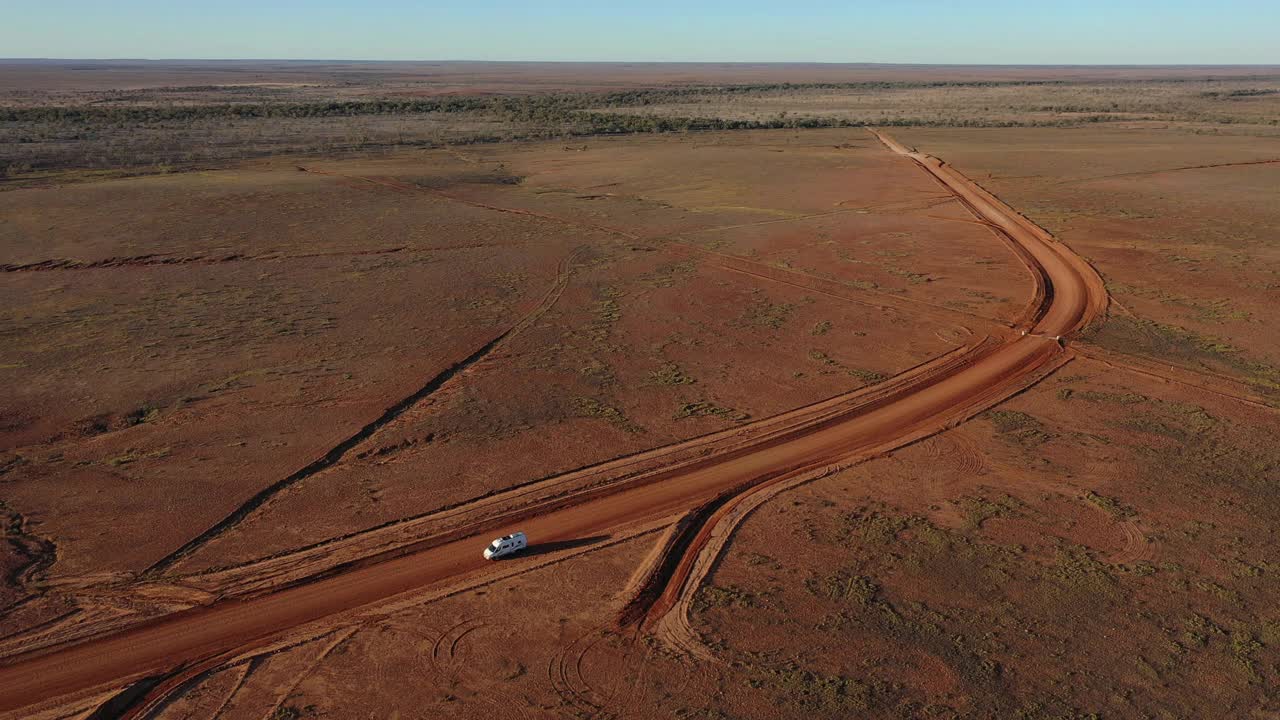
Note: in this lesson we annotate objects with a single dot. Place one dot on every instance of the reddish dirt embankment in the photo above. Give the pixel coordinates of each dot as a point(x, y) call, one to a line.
point(917, 404)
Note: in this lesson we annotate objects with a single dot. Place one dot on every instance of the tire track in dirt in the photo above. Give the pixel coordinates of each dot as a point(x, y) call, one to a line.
point(1197, 379)
point(148, 697)
point(336, 640)
point(63, 627)
point(410, 188)
point(339, 451)
point(1137, 548)
point(22, 635)
point(936, 395)
point(244, 669)
point(956, 449)
point(446, 659)
point(753, 223)
point(564, 672)
point(1161, 171)
point(954, 334)
point(168, 259)
point(970, 221)
point(895, 205)
point(163, 259)
point(635, 669)
point(923, 203)
point(444, 651)
point(163, 693)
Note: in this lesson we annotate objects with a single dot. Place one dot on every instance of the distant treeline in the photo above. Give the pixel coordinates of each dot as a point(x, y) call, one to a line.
point(519, 107)
point(163, 113)
point(610, 123)
point(1247, 92)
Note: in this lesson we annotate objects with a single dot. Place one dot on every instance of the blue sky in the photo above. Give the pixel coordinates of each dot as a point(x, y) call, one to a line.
point(920, 31)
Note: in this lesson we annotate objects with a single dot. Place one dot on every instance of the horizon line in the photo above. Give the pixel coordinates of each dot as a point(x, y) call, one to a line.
point(647, 62)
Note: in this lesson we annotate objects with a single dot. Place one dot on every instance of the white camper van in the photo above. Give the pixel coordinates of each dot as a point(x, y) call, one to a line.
point(506, 545)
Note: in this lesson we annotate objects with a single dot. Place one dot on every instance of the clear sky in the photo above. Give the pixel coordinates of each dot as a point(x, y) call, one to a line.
point(889, 31)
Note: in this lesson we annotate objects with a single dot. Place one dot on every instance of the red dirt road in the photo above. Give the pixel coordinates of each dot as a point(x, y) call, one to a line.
point(1073, 295)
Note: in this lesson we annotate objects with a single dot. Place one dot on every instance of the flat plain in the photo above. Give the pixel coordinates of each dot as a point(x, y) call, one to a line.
point(243, 358)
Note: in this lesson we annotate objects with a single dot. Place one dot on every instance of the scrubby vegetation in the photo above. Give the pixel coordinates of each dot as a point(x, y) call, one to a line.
point(1018, 427)
point(168, 128)
point(1008, 630)
point(703, 408)
point(592, 408)
point(1172, 343)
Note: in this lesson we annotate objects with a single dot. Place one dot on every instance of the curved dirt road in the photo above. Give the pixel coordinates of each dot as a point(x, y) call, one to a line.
point(1072, 296)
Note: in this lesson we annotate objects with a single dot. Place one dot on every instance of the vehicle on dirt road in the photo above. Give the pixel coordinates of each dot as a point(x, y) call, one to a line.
point(506, 545)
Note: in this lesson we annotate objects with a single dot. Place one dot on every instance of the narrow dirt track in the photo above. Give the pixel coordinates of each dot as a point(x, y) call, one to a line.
point(1073, 295)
